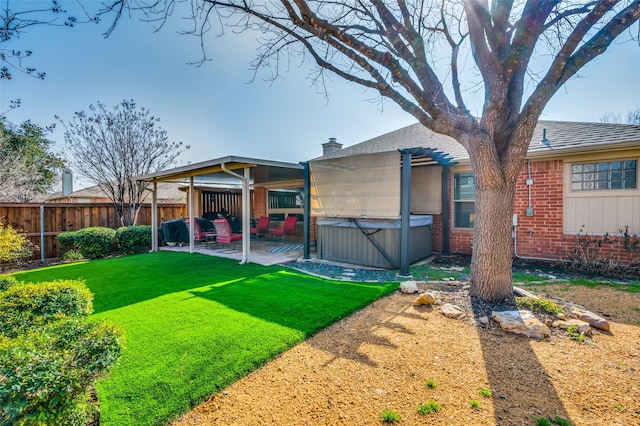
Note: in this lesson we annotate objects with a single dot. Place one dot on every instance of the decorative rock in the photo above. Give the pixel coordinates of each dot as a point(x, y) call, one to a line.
point(548, 322)
point(409, 287)
point(451, 311)
point(521, 322)
point(484, 320)
point(524, 293)
point(561, 316)
point(425, 299)
point(581, 325)
point(466, 287)
point(593, 319)
point(438, 302)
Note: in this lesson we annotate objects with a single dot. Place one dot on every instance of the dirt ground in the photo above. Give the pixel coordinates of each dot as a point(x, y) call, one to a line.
point(382, 356)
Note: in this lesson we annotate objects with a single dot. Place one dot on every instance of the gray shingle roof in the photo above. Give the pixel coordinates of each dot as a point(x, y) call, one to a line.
point(561, 135)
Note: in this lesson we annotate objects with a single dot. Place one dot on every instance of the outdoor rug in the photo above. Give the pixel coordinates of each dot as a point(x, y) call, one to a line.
point(285, 248)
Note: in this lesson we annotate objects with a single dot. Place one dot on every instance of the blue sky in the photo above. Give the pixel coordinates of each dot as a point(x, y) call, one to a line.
point(215, 110)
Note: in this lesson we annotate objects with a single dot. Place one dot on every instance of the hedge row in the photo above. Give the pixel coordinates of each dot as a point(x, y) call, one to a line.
point(97, 242)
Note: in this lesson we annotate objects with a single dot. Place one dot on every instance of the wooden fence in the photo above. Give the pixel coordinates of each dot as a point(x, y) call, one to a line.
point(63, 217)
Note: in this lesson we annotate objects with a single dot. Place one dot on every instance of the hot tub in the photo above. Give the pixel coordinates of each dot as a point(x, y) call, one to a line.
point(363, 241)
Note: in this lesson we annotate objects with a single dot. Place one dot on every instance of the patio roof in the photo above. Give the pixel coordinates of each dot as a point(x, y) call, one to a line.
point(212, 171)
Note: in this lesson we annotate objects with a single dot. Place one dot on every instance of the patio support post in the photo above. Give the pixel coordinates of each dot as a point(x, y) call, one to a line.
point(246, 209)
point(191, 217)
point(246, 216)
point(154, 217)
point(446, 217)
point(405, 211)
point(306, 230)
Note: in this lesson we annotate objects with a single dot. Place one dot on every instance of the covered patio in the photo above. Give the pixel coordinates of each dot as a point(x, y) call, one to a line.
point(232, 173)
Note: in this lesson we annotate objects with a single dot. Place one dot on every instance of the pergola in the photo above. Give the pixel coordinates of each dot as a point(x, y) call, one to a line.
point(225, 171)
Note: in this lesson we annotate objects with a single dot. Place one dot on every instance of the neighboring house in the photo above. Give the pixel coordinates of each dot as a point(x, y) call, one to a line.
point(168, 193)
point(579, 178)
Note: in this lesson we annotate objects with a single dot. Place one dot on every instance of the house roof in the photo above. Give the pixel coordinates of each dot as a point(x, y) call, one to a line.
point(562, 137)
point(168, 191)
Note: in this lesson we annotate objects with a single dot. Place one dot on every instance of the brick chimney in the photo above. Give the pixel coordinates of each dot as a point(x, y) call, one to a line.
point(331, 146)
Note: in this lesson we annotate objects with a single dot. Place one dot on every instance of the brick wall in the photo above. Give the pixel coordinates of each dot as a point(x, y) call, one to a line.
point(540, 235)
point(259, 202)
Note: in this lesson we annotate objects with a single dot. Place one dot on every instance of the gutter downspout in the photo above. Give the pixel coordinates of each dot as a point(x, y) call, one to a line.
point(245, 210)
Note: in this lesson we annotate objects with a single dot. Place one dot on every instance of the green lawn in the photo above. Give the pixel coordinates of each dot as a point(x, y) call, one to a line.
point(195, 323)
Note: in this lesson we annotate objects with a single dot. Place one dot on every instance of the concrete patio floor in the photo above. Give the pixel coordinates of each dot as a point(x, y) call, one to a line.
point(262, 251)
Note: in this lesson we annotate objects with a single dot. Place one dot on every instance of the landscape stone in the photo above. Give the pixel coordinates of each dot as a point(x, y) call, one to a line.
point(425, 299)
point(521, 322)
point(524, 293)
point(451, 311)
point(484, 320)
point(582, 326)
point(409, 287)
point(594, 320)
point(561, 316)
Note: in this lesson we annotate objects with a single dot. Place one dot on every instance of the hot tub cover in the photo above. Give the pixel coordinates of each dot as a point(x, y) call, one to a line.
point(414, 221)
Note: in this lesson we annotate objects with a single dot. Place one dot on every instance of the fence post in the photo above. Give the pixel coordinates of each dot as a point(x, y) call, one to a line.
point(42, 245)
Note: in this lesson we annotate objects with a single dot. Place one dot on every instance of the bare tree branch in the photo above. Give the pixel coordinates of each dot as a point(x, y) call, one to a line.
point(111, 147)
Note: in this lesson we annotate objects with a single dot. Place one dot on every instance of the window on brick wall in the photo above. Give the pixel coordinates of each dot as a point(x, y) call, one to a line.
point(464, 196)
point(604, 175)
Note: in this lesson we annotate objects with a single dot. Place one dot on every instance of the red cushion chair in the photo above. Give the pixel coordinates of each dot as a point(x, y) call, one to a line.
point(261, 227)
point(288, 227)
point(224, 234)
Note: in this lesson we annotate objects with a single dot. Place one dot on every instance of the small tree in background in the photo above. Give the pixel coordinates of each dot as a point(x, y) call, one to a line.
point(28, 170)
point(111, 147)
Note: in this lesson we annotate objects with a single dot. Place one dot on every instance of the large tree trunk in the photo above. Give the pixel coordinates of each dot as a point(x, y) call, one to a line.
point(492, 242)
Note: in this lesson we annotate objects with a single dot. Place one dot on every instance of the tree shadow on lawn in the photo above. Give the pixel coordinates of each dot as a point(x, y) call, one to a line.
point(127, 280)
point(295, 300)
point(518, 379)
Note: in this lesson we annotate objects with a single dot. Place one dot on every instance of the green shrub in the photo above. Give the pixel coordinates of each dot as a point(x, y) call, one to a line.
point(7, 281)
point(541, 421)
point(391, 416)
point(429, 407)
point(72, 255)
point(539, 305)
point(27, 306)
point(93, 243)
point(48, 373)
point(134, 239)
point(50, 360)
point(67, 241)
point(14, 248)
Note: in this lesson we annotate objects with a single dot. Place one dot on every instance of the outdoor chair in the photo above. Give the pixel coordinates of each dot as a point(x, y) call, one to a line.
point(288, 227)
point(202, 230)
point(261, 227)
point(224, 234)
